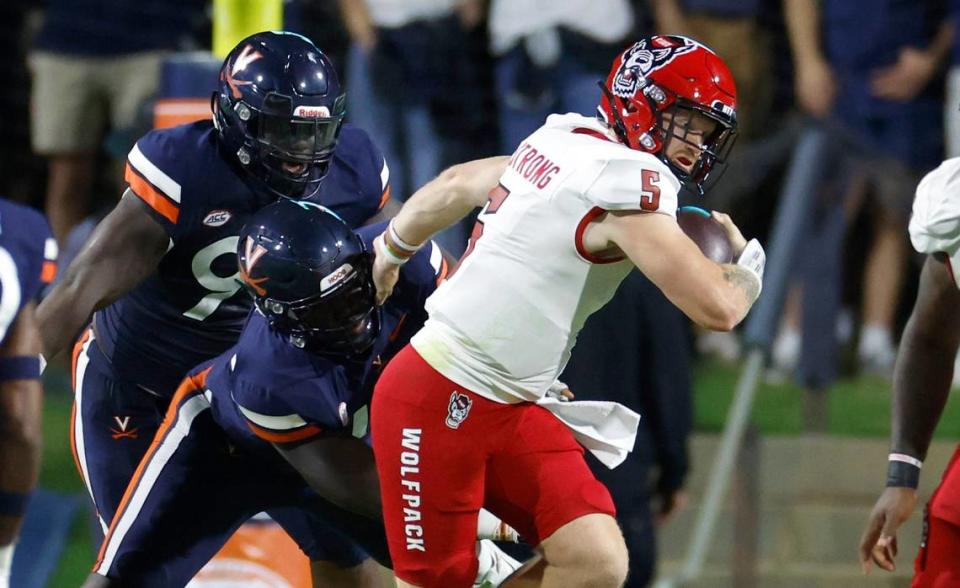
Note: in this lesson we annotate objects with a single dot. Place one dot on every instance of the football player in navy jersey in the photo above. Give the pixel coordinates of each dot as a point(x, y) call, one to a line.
point(158, 276)
point(28, 255)
point(293, 391)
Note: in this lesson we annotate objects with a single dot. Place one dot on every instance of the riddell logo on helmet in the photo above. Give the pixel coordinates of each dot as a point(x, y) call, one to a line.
point(312, 112)
point(638, 61)
point(340, 274)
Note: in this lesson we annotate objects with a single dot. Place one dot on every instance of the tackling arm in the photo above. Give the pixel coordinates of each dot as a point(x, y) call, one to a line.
point(714, 296)
point(339, 469)
point(924, 367)
point(124, 249)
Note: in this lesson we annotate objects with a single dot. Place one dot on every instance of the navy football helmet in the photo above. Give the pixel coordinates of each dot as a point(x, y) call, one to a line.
point(279, 109)
point(310, 276)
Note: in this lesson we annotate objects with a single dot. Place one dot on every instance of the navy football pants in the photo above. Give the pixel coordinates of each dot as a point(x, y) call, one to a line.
point(113, 426)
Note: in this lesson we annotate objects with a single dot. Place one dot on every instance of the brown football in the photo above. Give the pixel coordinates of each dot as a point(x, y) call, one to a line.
point(706, 232)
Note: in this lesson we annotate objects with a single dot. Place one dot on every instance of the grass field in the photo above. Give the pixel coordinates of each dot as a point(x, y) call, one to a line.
point(857, 407)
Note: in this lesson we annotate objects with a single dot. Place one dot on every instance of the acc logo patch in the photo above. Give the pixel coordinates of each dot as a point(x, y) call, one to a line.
point(458, 410)
point(217, 218)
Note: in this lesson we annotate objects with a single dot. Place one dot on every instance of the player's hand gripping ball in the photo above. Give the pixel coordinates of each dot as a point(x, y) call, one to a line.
point(707, 232)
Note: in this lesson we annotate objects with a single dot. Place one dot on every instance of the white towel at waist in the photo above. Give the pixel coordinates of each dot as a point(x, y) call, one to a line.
point(607, 429)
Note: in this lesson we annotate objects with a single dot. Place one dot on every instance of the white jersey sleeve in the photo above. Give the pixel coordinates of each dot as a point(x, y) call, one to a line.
point(935, 224)
point(635, 183)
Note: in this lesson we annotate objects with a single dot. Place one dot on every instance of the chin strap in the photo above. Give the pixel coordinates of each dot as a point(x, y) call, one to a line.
point(618, 125)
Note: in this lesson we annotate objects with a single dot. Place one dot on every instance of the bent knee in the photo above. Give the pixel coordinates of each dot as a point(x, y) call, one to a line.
point(591, 548)
point(608, 568)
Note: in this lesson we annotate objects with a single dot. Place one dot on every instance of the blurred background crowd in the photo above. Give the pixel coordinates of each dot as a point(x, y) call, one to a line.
point(435, 82)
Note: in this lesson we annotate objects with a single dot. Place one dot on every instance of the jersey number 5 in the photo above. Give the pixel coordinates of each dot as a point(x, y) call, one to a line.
point(650, 194)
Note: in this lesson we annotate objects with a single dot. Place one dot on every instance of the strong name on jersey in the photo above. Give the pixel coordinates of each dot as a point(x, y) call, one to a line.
point(503, 325)
point(28, 260)
point(935, 224)
point(192, 307)
point(263, 389)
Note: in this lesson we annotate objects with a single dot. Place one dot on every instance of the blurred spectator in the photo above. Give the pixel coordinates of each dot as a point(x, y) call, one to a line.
point(635, 350)
point(952, 103)
point(733, 29)
point(871, 77)
point(397, 66)
point(94, 63)
point(550, 56)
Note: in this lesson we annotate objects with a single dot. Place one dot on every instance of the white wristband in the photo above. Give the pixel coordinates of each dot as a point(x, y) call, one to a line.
point(400, 243)
point(43, 363)
point(906, 459)
point(384, 251)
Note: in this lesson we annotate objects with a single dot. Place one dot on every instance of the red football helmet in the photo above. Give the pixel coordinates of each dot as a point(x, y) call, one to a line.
point(684, 80)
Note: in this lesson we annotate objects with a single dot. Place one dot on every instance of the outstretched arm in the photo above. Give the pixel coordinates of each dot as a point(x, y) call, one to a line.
point(921, 385)
point(124, 249)
point(437, 205)
point(448, 198)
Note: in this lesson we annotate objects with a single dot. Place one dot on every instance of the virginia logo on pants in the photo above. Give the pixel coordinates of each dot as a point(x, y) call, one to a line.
point(123, 433)
point(458, 410)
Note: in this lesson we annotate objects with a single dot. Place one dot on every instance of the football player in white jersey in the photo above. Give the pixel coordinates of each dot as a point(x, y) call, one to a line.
point(921, 386)
point(459, 418)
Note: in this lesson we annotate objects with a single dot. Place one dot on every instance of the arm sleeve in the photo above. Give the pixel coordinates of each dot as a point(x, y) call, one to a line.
point(154, 177)
point(935, 224)
point(47, 252)
point(36, 258)
point(635, 184)
point(293, 412)
point(48, 270)
point(375, 183)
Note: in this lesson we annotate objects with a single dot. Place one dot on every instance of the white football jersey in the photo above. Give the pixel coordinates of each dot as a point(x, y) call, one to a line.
point(504, 324)
point(935, 224)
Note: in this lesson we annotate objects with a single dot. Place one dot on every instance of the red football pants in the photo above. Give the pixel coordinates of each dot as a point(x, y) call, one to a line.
point(444, 452)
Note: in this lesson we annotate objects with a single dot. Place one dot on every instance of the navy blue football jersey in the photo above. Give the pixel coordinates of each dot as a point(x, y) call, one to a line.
point(192, 308)
point(28, 260)
point(264, 389)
